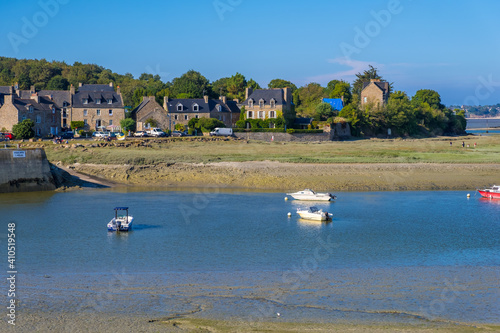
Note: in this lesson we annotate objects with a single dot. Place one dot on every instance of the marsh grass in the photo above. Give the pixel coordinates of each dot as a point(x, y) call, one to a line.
point(435, 150)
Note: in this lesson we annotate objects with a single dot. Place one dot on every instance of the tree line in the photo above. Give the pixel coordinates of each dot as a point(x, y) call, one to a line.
point(422, 114)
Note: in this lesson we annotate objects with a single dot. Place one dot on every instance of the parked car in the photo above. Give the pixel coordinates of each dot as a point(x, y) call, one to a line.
point(177, 133)
point(98, 134)
point(156, 132)
point(8, 136)
point(141, 134)
point(67, 135)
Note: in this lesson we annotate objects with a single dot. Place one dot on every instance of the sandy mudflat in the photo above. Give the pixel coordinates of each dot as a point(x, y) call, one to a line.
point(291, 176)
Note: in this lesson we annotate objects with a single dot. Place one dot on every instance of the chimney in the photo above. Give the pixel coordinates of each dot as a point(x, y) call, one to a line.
point(287, 95)
point(223, 99)
point(152, 98)
point(111, 84)
point(35, 97)
point(32, 90)
point(144, 98)
point(118, 91)
point(165, 101)
point(80, 85)
point(205, 98)
point(236, 100)
point(9, 99)
point(72, 90)
point(374, 80)
point(248, 92)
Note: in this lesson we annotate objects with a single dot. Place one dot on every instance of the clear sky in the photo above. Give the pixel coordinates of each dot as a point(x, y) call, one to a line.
point(452, 47)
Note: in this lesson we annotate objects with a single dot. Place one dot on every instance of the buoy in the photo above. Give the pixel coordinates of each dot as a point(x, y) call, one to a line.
point(286, 198)
point(468, 195)
point(278, 314)
point(289, 214)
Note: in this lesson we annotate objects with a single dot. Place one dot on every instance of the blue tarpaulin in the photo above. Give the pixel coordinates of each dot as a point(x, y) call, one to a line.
point(336, 103)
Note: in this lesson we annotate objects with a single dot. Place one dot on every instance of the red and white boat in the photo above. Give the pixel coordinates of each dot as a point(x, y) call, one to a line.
point(492, 193)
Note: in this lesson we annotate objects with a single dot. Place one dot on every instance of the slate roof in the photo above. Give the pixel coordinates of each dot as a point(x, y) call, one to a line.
point(59, 96)
point(5, 90)
point(384, 86)
point(45, 104)
point(267, 95)
point(96, 87)
point(146, 103)
point(93, 92)
point(187, 105)
point(336, 103)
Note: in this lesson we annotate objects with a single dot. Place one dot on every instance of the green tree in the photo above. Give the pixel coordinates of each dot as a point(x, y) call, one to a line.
point(280, 83)
point(24, 130)
point(310, 96)
point(342, 89)
point(331, 86)
point(210, 123)
point(428, 96)
point(236, 86)
point(366, 76)
point(219, 87)
point(57, 83)
point(324, 111)
point(151, 122)
point(191, 83)
point(253, 84)
point(76, 124)
point(243, 113)
point(127, 124)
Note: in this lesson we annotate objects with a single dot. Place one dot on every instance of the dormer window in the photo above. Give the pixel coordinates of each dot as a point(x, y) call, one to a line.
point(273, 103)
point(250, 103)
point(219, 107)
point(98, 101)
point(261, 103)
point(53, 110)
point(179, 107)
point(110, 101)
point(85, 101)
point(31, 108)
point(196, 107)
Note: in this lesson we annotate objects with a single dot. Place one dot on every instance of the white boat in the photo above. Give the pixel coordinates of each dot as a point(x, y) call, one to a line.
point(308, 194)
point(313, 213)
point(121, 222)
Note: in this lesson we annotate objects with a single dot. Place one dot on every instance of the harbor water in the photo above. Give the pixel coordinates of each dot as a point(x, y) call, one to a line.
point(386, 256)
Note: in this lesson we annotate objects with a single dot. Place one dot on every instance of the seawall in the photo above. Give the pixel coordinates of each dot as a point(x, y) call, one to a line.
point(25, 170)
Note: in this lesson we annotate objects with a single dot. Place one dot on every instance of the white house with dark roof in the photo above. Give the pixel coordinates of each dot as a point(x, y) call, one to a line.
point(268, 103)
point(181, 110)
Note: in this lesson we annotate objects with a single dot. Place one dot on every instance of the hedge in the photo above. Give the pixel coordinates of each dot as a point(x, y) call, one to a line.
point(272, 130)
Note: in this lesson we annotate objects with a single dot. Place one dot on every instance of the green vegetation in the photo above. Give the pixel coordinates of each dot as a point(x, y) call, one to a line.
point(435, 150)
point(76, 124)
point(127, 124)
point(24, 130)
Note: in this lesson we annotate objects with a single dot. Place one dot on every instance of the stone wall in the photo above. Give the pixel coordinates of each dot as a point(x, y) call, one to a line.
point(25, 170)
point(283, 137)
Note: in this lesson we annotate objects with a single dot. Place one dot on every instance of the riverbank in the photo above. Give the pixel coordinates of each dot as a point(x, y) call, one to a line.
point(443, 163)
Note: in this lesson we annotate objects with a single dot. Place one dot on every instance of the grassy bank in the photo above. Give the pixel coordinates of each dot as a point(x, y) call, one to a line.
point(424, 164)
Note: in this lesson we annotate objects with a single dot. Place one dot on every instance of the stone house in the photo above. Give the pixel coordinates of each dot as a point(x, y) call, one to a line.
point(268, 103)
point(44, 112)
point(150, 109)
point(183, 110)
point(97, 105)
point(375, 92)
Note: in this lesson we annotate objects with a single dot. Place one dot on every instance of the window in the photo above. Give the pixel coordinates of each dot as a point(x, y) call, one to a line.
point(85, 113)
point(98, 101)
point(176, 117)
point(38, 119)
point(261, 114)
point(365, 99)
point(111, 122)
point(110, 112)
point(250, 103)
point(53, 110)
point(272, 114)
point(110, 101)
point(38, 132)
point(53, 119)
point(24, 117)
point(179, 107)
point(219, 107)
point(98, 112)
point(85, 122)
point(196, 116)
point(85, 101)
point(185, 117)
point(261, 103)
point(31, 108)
point(250, 114)
point(273, 103)
point(196, 107)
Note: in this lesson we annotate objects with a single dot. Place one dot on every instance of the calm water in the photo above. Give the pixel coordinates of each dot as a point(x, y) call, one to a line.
point(478, 126)
point(234, 235)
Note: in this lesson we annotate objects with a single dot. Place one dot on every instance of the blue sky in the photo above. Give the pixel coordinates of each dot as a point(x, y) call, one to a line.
point(452, 47)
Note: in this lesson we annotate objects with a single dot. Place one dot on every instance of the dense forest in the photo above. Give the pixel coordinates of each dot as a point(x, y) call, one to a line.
point(422, 114)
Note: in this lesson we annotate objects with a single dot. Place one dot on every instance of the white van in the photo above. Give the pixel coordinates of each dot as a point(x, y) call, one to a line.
point(221, 131)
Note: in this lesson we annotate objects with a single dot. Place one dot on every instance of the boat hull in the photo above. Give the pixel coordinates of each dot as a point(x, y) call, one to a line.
point(311, 198)
point(489, 194)
point(120, 225)
point(315, 217)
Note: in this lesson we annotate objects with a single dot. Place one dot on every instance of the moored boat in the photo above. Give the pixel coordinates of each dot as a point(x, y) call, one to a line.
point(492, 193)
point(313, 213)
point(121, 222)
point(310, 195)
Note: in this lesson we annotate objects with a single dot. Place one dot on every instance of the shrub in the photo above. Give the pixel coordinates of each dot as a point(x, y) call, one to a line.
point(24, 130)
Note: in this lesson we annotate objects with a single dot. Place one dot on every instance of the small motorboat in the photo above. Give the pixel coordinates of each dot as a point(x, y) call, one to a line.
point(308, 194)
point(121, 136)
point(121, 222)
point(492, 193)
point(313, 213)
